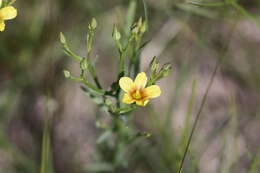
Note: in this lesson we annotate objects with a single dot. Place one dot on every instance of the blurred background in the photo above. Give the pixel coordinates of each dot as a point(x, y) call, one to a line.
point(191, 37)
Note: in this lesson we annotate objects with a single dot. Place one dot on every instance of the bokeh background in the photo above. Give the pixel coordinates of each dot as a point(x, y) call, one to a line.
point(191, 37)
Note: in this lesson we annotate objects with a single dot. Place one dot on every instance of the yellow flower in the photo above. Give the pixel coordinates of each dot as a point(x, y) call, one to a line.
point(6, 13)
point(136, 91)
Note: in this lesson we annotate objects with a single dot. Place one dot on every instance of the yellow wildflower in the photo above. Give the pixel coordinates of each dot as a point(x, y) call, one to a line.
point(6, 13)
point(136, 91)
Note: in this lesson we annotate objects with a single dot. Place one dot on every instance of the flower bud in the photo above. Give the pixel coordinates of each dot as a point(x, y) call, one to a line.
point(166, 69)
point(154, 65)
point(62, 38)
point(66, 73)
point(135, 30)
point(140, 22)
point(84, 64)
point(116, 34)
point(93, 23)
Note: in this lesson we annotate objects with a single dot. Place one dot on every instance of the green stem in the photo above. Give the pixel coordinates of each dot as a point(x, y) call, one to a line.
point(45, 147)
point(198, 115)
point(121, 64)
point(207, 4)
point(89, 85)
point(70, 53)
point(244, 12)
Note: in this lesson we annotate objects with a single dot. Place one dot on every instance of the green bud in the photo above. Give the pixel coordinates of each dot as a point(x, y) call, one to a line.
point(135, 30)
point(62, 38)
point(93, 23)
point(154, 65)
point(166, 69)
point(84, 64)
point(66, 73)
point(140, 21)
point(116, 34)
point(139, 28)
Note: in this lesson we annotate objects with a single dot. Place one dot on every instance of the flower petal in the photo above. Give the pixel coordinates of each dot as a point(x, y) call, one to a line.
point(2, 25)
point(142, 102)
point(127, 99)
point(153, 91)
point(0, 3)
point(141, 80)
point(8, 13)
point(126, 83)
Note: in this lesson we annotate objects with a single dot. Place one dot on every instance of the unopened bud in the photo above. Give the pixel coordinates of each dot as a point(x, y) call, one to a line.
point(154, 65)
point(116, 34)
point(135, 30)
point(62, 38)
point(66, 73)
point(93, 23)
point(140, 22)
point(166, 69)
point(84, 64)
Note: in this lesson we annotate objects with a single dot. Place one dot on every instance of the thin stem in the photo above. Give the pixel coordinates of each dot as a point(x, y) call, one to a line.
point(97, 90)
point(45, 148)
point(198, 115)
point(70, 53)
point(121, 64)
point(45, 141)
point(97, 82)
point(136, 56)
point(199, 112)
point(245, 12)
point(207, 4)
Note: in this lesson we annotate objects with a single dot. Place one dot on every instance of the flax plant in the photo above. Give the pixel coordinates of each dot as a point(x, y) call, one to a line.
point(122, 98)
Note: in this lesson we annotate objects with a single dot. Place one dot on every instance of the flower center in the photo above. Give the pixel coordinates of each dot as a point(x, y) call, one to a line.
point(137, 94)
